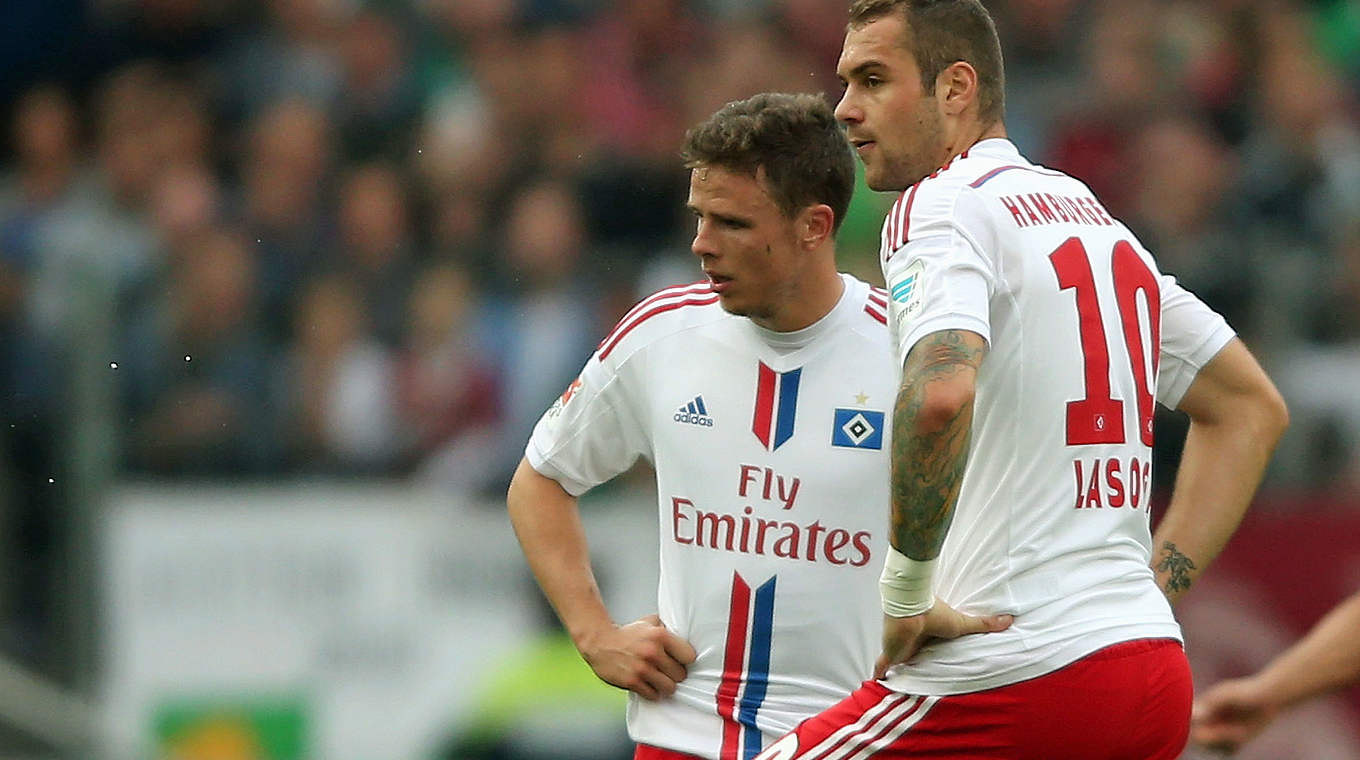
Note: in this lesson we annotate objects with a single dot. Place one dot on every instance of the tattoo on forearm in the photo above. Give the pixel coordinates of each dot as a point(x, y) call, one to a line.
point(928, 465)
point(1178, 567)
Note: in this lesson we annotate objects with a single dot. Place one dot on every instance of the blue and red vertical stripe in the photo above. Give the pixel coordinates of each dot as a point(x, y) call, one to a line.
point(746, 667)
point(776, 405)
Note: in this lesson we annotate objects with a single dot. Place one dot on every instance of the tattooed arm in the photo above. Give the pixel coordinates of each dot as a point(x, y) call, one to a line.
point(1236, 418)
point(932, 427)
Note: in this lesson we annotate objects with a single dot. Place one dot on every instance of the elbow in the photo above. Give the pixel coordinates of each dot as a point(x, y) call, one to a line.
point(1263, 416)
point(942, 405)
point(1271, 413)
point(1279, 413)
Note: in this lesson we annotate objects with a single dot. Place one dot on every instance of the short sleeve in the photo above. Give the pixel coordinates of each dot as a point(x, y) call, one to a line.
point(940, 279)
point(590, 434)
point(1192, 334)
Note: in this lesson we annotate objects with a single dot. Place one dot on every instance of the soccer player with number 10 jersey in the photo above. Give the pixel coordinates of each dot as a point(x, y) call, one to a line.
point(1035, 335)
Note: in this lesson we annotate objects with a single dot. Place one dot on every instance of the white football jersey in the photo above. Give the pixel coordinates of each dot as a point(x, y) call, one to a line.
point(1084, 332)
point(771, 458)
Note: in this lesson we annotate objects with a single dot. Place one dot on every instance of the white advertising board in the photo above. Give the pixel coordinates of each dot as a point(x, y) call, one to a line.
point(360, 613)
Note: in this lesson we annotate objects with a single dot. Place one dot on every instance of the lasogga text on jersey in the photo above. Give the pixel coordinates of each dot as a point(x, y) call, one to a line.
point(745, 532)
point(1113, 483)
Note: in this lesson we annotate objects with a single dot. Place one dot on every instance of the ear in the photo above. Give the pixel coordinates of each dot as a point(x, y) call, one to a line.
point(815, 225)
point(956, 88)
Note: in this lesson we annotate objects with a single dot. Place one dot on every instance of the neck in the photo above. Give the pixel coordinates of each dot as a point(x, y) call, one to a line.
point(809, 300)
point(975, 134)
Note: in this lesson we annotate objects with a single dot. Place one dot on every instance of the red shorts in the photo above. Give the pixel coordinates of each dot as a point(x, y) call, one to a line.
point(1130, 701)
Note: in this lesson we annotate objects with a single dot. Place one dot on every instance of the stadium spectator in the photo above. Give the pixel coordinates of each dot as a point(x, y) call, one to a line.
point(1092, 135)
point(195, 372)
point(281, 206)
point(292, 55)
point(186, 204)
point(340, 406)
point(448, 393)
point(379, 100)
point(547, 316)
point(376, 244)
point(1180, 202)
point(45, 186)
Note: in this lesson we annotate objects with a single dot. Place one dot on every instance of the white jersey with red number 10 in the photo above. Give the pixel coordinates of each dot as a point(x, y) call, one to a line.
point(1084, 334)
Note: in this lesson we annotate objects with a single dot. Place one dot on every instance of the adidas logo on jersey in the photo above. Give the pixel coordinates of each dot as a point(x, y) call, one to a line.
point(694, 413)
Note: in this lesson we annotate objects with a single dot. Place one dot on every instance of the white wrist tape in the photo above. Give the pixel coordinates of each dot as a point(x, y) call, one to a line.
point(906, 585)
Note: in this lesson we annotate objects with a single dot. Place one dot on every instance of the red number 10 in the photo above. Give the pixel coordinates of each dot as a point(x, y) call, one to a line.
point(1099, 418)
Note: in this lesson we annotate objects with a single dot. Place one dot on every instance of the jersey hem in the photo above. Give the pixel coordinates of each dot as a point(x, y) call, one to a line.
point(1067, 654)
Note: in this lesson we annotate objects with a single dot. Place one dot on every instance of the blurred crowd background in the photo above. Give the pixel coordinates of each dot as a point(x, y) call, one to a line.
point(247, 240)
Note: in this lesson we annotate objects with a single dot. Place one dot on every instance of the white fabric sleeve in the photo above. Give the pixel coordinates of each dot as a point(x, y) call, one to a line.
point(940, 280)
point(1192, 334)
point(590, 434)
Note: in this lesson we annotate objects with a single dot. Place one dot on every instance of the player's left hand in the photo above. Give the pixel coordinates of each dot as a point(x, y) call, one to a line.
point(903, 637)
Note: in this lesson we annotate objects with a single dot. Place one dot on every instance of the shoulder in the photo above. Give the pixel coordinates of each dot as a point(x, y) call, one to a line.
point(660, 315)
point(869, 308)
point(923, 208)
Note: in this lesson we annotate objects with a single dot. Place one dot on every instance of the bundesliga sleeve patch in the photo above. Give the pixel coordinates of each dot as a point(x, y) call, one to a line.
point(857, 429)
point(906, 290)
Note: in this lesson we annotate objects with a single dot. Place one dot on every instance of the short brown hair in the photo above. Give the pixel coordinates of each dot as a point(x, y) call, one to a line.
point(942, 32)
point(794, 138)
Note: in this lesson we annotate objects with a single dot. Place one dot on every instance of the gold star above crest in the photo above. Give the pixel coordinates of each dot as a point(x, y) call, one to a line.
point(861, 398)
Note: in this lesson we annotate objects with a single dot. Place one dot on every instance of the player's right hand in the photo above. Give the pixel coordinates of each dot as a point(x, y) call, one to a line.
point(642, 657)
point(1231, 714)
point(903, 637)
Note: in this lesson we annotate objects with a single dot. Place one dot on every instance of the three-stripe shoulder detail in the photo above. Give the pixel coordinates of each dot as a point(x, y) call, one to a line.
point(876, 305)
point(670, 299)
point(897, 227)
